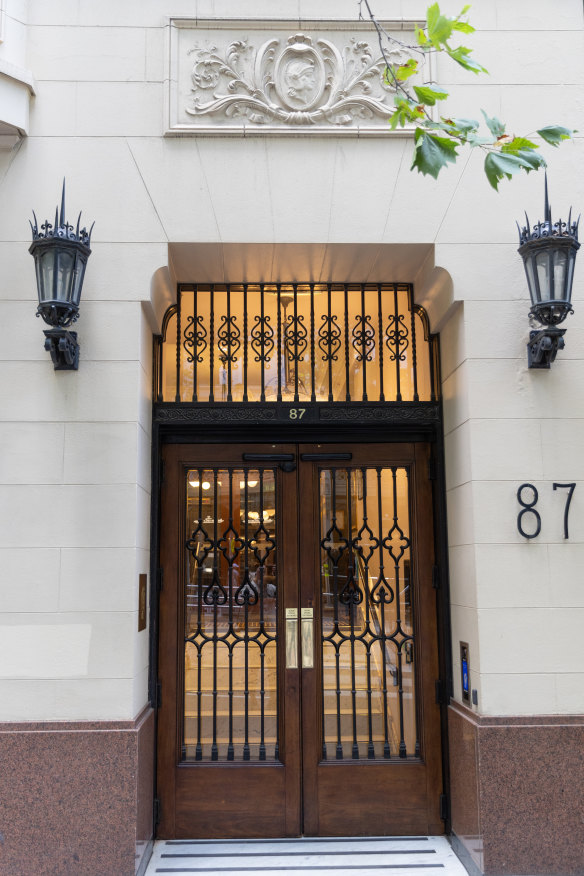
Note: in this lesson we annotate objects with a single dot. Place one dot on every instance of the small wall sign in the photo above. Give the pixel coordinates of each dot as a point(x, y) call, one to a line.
point(465, 671)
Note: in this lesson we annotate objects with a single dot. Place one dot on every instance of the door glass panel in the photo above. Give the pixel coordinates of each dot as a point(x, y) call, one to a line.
point(368, 646)
point(230, 611)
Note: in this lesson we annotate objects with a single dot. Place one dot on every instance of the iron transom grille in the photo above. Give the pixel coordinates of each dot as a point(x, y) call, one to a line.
point(299, 343)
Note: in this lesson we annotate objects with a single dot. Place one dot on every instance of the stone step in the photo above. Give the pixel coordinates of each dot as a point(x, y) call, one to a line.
point(414, 856)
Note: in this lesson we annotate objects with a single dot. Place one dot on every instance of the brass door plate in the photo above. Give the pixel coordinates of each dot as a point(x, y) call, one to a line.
point(142, 589)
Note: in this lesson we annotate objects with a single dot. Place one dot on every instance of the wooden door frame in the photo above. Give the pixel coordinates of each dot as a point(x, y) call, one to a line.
point(185, 432)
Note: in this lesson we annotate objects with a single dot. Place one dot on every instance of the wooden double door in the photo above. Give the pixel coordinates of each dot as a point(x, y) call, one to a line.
point(298, 647)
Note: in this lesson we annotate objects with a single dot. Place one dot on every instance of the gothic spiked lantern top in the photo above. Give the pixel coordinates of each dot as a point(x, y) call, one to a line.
point(60, 253)
point(549, 252)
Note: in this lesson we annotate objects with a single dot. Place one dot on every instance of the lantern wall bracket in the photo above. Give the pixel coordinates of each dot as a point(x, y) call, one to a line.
point(543, 346)
point(64, 349)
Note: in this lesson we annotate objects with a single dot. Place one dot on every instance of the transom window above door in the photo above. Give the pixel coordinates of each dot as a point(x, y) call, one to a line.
point(296, 343)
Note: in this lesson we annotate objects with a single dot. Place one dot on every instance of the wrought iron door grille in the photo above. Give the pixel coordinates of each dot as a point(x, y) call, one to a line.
point(368, 643)
point(296, 343)
point(230, 610)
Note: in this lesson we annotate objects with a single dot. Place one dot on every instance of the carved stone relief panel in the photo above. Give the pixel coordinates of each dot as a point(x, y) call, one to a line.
point(245, 78)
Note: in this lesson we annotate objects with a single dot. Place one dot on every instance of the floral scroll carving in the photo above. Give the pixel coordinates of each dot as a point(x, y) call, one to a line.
point(295, 82)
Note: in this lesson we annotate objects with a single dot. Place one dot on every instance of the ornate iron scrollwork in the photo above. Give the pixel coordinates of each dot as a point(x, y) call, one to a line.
point(262, 338)
point(396, 337)
point(329, 337)
point(195, 338)
point(363, 338)
point(228, 339)
point(295, 337)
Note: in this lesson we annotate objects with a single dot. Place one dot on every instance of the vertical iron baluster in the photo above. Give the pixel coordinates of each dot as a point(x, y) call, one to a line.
point(351, 597)
point(212, 345)
point(386, 747)
point(414, 351)
point(330, 345)
point(400, 689)
point(262, 346)
point(246, 751)
point(432, 375)
point(347, 368)
point(370, 745)
point(339, 752)
point(260, 575)
point(364, 343)
point(245, 341)
point(178, 344)
point(199, 748)
point(229, 342)
point(214, 748)
point(380, 331)
point(230, 529)
point(279, 397)
point(295, 287)
point(312, 354)
point(277, 599)
point(196, 339)
point(396, 326)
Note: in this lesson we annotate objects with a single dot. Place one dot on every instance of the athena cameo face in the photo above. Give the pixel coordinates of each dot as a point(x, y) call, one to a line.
point(300, 77)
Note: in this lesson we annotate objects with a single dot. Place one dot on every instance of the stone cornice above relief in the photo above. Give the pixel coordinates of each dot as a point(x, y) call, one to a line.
point(247, 78)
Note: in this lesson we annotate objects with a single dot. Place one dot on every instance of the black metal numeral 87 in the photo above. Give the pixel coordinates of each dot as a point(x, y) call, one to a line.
point(529, 508)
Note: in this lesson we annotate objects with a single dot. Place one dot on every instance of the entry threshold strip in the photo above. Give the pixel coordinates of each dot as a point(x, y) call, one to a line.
point(410, 855)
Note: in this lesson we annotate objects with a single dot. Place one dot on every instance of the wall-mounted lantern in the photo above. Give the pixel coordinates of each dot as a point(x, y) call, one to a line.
point(60, 253)
point(549, 255)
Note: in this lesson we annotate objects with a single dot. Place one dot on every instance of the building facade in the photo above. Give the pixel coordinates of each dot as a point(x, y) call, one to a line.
point(262, 568)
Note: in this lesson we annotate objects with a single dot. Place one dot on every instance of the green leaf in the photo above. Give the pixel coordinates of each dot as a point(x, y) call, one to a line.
point(473, 140)
point(465, 126)
point(554, 134)
point(428, 95)
point(496, 127)
point(462, 56)
point(533, 160)
point(501, 164)
point(463, 27)
point(517, 144)
point(439, 27)
point(421, 37)
point(406, 70)
point(432, 153)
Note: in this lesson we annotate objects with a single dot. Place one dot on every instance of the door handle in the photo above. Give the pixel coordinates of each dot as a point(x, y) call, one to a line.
point(307, 637)
point(291, 638)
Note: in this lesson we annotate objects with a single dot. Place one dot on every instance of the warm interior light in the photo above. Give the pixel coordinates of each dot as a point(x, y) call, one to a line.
point(206, 484)
point(249, 483)
point(253, 515)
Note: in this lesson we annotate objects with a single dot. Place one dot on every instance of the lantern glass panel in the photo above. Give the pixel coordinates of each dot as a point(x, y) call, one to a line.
point(542, 262)
point(66, 260)
point(571, 264)
point(529, 270)
point(560, 268)
point(47, 276)
point(79, 273)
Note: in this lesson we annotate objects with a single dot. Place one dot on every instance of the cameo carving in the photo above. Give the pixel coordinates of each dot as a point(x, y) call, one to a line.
point(290, 83)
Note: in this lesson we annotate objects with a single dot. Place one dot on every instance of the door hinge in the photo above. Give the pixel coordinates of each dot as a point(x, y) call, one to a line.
point(432, 469)
point(444, 807)
point(435, 577)
point(440, 692)
point(159, 579)
point(156, 810)
point(158, 694)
